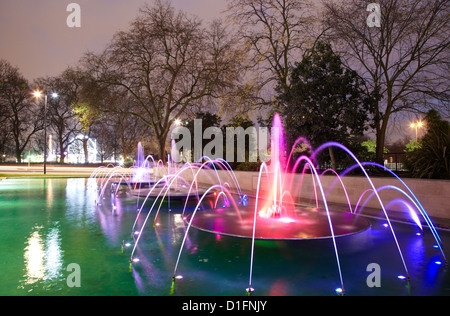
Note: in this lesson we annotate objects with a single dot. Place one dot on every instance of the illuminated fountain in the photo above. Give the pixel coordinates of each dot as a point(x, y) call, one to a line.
point(144, 172)
point(145, 179)
point(276, 215)
point(142, 169)
point(172, 184)
point(139, 176)
point(175, 185)
point(275, 212)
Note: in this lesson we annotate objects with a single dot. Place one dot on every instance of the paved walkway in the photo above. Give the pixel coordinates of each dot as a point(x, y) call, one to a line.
point(51, 170)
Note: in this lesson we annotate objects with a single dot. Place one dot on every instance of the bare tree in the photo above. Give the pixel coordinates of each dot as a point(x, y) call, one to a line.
point(168, 63)
point(275, 33)
point(80, 91)
point(404, 61)
point(119, 133)
point(60, 115)
point(22, 116)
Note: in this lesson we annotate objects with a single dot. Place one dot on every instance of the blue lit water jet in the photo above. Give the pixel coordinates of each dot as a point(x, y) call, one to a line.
point(277, 205)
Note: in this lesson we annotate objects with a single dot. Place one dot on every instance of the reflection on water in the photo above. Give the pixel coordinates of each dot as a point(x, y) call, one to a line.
point(80, 201)
point(53, 263)
point(49, 196)
point(34, 258)
point(47, 228)
point(43, 256)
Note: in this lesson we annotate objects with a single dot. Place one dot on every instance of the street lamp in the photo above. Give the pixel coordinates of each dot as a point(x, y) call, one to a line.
point(37, 95)
point(416, 125)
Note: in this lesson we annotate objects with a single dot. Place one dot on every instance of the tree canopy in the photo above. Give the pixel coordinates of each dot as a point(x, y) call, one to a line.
point(430, 158)
point(326, 101)
point(404, 61)
point(168, 63)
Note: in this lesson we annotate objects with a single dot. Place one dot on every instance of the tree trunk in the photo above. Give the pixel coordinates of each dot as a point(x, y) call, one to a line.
point(381, 135)
point(62, 150)
point(18, 154)
point(381, 129)
point(162, 147)
point(85, 148)
point(125, 154)
point(333, 159)
point(62, 154)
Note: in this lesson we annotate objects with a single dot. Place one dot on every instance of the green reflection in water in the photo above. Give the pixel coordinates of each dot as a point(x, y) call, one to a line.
point(47, 224)
point(43, 259)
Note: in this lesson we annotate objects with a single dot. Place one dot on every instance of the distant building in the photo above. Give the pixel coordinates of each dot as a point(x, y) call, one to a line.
point(75, 150)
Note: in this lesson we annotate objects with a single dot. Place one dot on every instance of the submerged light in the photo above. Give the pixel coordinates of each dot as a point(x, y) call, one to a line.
point(287, 220)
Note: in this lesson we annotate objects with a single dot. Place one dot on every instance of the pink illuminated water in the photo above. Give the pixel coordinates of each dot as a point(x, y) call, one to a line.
point(274, 206)
point(139, 172)
point(275, 214)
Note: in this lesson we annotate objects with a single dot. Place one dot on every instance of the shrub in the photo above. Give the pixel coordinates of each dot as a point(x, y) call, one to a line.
point(430, 159)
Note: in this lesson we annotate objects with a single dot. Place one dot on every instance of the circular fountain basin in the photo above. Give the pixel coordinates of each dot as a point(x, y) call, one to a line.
point(135, 184)
point(180, 192)
point(307, 223)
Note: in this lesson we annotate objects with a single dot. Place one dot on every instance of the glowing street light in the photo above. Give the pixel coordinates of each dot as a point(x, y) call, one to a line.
point(37, 94)
point(177, 122)
point(416, 125)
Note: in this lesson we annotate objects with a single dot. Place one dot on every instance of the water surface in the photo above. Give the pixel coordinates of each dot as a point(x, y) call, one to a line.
point(47, 225)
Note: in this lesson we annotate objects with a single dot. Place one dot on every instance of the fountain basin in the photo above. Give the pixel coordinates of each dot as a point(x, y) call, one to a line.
point(174, 192)
point(307, 223)
point(135, 184)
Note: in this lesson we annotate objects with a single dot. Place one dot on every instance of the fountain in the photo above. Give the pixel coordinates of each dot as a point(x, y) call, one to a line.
point(141, 174)
point(276, 216)
point(174, 186)
point(170, 184)
point(146, 179)
point(277, 210)
point(141, 171)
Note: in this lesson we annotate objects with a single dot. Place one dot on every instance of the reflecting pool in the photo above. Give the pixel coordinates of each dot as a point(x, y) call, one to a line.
point(47, 225)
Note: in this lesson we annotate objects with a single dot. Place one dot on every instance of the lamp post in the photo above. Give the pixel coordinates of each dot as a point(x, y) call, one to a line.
point(416, 125)
point(38, 95)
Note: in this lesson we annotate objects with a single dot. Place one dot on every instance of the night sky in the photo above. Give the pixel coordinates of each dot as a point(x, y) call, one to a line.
point(35, 36)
